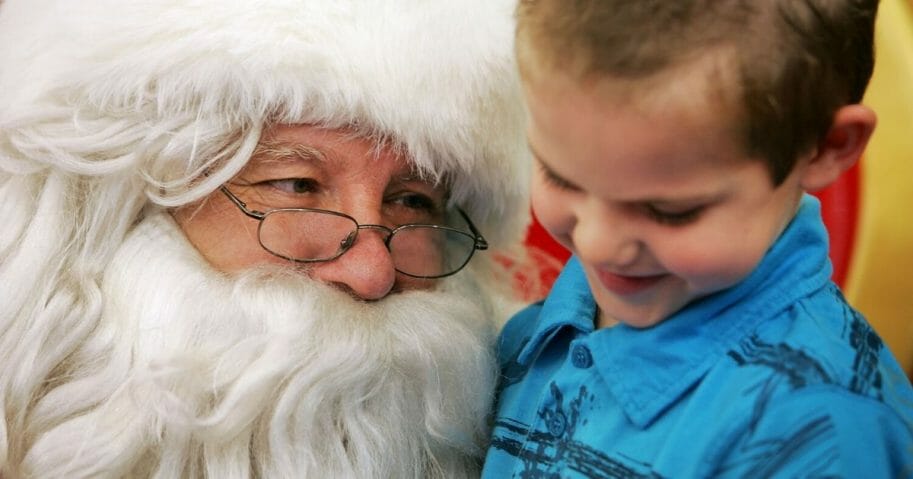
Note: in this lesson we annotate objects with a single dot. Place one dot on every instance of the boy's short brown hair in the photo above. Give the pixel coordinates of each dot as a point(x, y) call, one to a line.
point(796, 61)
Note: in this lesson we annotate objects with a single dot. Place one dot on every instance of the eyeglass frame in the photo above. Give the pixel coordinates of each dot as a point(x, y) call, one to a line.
point(479, 242)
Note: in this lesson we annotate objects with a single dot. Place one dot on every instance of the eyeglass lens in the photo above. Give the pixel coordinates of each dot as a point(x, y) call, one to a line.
point(318, 236)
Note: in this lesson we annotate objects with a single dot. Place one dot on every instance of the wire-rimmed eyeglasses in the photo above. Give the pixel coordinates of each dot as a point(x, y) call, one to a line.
point(311, 235)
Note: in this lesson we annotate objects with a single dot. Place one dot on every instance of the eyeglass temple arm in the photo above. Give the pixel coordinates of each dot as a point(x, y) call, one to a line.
point(257, 215)
point(481, 242)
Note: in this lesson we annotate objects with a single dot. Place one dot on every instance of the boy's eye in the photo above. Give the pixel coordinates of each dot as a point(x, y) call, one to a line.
point(674, 218)
point(554, 180)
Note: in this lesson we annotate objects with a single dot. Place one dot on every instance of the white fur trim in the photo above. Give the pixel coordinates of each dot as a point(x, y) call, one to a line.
point(436, 76)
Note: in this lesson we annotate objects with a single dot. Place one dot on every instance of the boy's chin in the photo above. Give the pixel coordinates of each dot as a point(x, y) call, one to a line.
point(644, 309)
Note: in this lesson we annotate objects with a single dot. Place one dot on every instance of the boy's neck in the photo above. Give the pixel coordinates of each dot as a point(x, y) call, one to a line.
point(603, 320)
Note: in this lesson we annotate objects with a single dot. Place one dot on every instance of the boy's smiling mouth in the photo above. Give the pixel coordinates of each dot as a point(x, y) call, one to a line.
point(626, 285)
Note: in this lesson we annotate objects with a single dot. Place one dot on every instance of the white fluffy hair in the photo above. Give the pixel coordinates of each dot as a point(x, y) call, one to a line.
point(193, 374)
point(114, 110)
point(102, 86)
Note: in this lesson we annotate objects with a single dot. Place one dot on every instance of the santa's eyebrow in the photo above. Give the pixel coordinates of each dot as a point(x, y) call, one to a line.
point(277, 152)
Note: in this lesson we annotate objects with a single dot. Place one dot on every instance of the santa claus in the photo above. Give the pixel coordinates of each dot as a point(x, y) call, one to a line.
point(247, 239)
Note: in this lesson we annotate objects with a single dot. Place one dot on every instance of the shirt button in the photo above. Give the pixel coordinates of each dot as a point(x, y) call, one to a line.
point(581, 357)
point(557, 424)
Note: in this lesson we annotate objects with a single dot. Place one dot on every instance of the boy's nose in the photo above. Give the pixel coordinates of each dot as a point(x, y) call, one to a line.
point(366, 270)
point(605, 239)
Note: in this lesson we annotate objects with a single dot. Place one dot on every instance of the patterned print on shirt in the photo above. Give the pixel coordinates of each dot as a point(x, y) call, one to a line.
point(807, 448)
point(547, 451)
point(863, 339)
point(762, 456)
point(807, 440)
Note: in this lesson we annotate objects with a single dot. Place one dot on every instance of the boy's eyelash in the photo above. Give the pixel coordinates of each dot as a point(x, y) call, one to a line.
point(555, 180)
point(673, 219)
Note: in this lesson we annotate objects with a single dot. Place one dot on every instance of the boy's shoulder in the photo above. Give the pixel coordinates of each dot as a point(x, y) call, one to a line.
point(816, 378)
point(820, 339)
point(819, 357)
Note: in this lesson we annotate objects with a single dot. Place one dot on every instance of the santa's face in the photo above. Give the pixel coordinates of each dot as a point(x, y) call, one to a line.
point(271, 370)
point(298, 204)
point(214, 356)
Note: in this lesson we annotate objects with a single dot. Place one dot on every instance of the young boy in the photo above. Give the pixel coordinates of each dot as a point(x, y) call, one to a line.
point(695, 332)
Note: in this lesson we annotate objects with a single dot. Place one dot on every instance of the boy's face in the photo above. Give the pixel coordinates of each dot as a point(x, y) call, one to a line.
point(658, 199)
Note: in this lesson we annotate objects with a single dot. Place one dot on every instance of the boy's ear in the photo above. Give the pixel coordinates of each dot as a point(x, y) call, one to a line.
point(840, 148)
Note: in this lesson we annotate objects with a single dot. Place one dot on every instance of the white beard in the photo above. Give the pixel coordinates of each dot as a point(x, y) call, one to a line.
point(268, 374)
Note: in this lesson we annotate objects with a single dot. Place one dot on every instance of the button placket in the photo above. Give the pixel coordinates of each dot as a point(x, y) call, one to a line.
point(557, 424)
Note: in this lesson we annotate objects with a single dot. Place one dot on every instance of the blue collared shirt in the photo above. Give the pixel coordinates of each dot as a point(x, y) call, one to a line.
point(774, 377)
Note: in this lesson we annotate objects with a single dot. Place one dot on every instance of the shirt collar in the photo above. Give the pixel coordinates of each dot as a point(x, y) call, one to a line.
point(572, 307)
